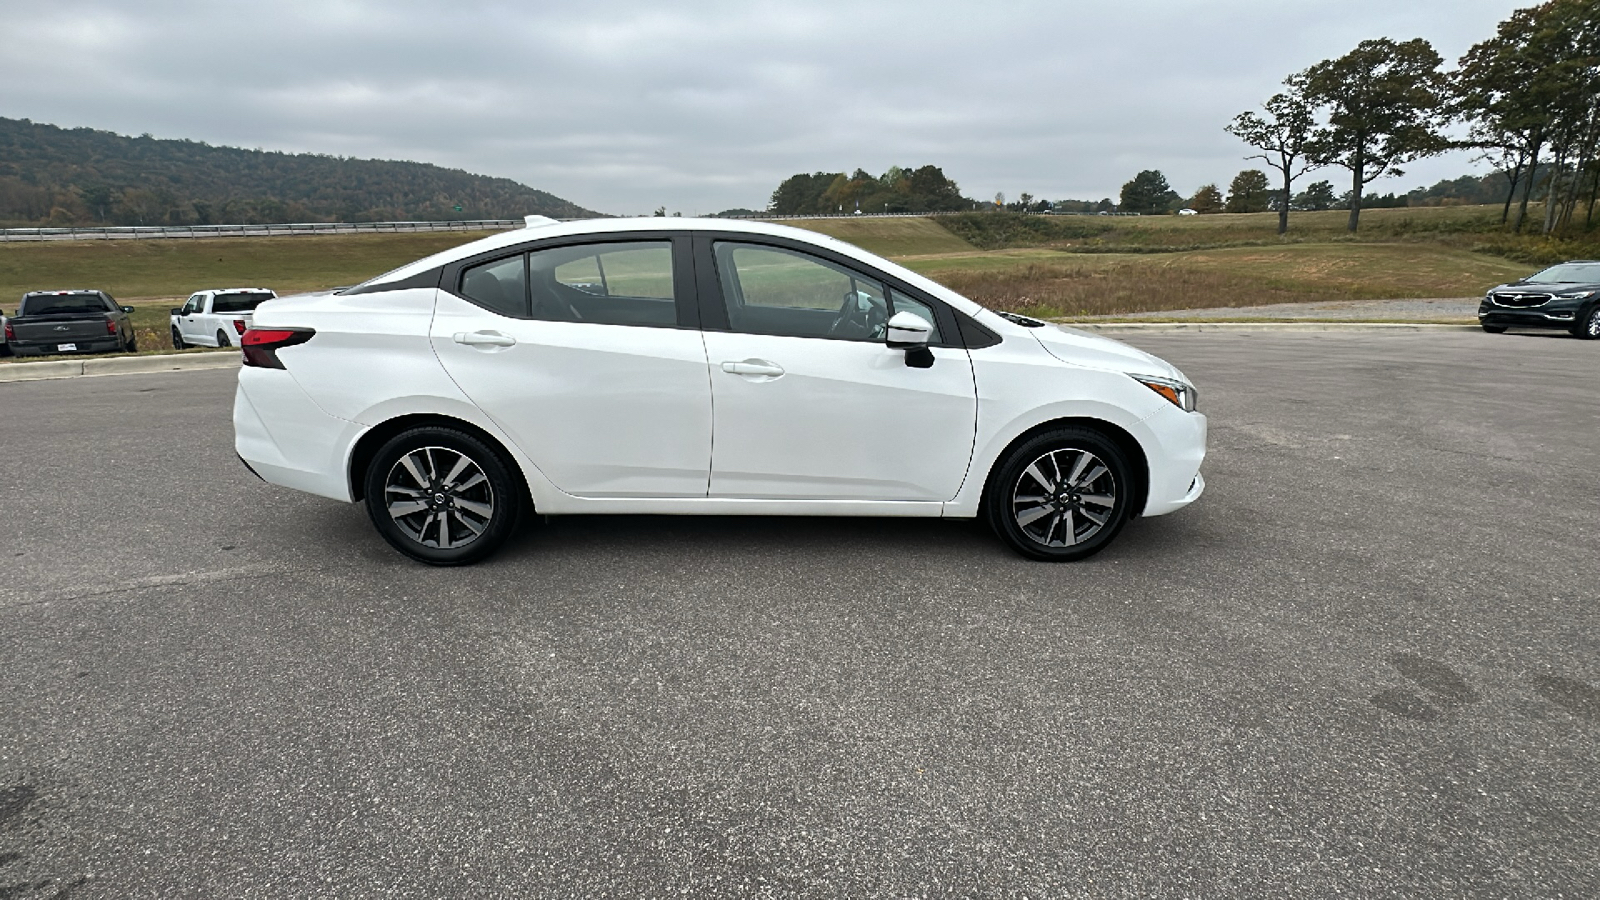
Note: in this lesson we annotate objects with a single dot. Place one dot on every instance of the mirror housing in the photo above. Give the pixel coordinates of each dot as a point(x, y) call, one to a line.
point(175, 311)
point(907, 331)
point(128, 310)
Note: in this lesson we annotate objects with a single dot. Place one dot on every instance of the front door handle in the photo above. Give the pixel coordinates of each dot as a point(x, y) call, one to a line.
point(483, 339)
point(753, 367)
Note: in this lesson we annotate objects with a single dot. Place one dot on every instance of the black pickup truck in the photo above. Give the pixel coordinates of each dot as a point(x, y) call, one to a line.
point(69, 322)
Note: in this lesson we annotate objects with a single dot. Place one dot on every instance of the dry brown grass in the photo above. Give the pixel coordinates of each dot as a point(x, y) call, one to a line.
point(1041, 289)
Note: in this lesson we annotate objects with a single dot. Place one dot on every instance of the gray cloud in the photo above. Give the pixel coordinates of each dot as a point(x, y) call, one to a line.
point(624, 106)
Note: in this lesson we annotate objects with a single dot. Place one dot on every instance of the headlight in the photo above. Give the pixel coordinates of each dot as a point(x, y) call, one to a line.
point(1181, 395)
point(1576, 295)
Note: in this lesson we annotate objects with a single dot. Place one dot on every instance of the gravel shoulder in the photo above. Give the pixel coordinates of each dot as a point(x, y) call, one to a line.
point(1443, 309)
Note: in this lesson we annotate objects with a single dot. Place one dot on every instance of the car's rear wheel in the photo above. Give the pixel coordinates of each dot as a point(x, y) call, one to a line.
point(1062, 495)
point(1588, 327)
point(133, 344)
point(442, 496)
point(222, 339)
point(177, 340)
point(1495, 329)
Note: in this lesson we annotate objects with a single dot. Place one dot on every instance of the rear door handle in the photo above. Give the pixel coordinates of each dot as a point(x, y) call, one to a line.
point(753, 367)
point(483, 339)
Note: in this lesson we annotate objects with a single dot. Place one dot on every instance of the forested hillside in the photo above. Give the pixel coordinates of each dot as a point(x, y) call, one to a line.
point(80, 176)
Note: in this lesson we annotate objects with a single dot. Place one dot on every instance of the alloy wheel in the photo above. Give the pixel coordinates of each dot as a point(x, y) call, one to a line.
point(1064, 497)
point(1593, 325)
point(439, 497)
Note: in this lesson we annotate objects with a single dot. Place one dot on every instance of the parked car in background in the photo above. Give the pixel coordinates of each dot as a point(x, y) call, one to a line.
point(76, 321)
point(574, 368)
point(5, 348)
point(1565, 296)
point(216, 318)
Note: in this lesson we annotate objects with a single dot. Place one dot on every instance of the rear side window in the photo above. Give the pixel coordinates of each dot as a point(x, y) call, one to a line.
point(618, 283)
point(238, 301)
point(615, 283)
point(500, 286)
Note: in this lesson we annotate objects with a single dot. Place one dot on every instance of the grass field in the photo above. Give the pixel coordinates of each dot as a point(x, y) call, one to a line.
point(1053, 266)
point(131, 270)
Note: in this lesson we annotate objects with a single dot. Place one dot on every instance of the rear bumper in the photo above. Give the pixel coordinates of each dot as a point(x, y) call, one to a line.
point(304, 448)
point(105, 344)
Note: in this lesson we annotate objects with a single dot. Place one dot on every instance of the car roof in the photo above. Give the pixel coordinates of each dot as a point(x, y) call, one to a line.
point(540, 228)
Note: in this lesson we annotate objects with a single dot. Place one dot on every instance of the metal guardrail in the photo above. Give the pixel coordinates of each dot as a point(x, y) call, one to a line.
point(154, 232)
point(151, 232)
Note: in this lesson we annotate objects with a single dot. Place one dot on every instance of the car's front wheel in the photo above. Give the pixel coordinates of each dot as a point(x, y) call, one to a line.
point(442, 496)
point(1061, 495)
point(177, 340)
point(1588, 328)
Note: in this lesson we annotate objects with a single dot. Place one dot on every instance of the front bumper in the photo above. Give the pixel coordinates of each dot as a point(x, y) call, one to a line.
point(1175, 446)
point(1550, 315)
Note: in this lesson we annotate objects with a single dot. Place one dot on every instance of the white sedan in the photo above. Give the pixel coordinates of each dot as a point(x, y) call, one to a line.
point(702, 367)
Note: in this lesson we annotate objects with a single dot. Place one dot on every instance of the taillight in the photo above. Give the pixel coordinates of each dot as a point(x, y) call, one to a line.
point(111, 327)
point(11, 333)
point(261, 345)
point(238, 325)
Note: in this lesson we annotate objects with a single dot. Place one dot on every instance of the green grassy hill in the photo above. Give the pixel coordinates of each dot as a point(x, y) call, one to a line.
point(80, 176)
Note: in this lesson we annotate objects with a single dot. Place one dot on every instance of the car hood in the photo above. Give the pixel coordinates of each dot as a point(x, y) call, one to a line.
point(1080, 348)
point(1546, 287)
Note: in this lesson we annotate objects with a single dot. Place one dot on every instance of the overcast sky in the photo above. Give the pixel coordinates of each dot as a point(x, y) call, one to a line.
point(625, 106)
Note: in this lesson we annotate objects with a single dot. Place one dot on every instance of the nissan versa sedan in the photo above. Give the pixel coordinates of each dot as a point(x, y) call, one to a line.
point(702, 367)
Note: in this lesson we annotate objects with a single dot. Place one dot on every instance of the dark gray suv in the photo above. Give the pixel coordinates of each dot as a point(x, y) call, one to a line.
point(1566, 296)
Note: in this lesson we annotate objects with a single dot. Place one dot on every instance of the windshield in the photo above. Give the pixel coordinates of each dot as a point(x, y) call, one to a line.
point(239, 301)
point(1568, 273)
point(62, 303)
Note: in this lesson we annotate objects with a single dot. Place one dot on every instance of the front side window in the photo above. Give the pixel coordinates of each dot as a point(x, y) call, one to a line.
point(194, 304)
point(774, 290)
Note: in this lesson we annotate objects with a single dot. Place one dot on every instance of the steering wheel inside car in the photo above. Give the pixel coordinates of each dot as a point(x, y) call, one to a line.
point(859, 317)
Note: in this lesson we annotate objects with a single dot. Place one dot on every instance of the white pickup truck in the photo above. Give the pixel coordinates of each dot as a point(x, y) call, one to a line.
point(216, 318)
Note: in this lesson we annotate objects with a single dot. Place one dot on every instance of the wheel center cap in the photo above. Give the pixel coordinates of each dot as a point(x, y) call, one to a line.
point(439, 498)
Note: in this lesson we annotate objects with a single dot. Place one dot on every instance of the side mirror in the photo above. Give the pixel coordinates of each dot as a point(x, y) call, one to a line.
point(910, 332)
point(175, 311)
point(907, 330)
point(128, 310)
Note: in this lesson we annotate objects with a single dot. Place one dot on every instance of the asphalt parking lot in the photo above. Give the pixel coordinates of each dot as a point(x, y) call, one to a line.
point(1366, 663)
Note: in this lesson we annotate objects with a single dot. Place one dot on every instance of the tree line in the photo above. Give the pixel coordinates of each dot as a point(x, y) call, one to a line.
point(898, 190)
point(80, 176)
point(1529, 98)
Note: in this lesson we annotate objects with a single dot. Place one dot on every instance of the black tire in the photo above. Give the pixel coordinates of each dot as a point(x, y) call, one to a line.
point(441, 531)
point(177, 340)
point(133, 344)
point(1587, 328)
point(1063, 504)
point(1495, 329)
point(222, 339)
